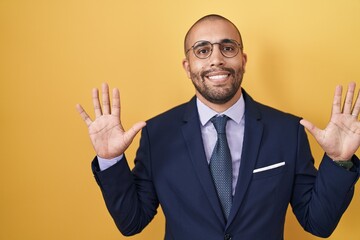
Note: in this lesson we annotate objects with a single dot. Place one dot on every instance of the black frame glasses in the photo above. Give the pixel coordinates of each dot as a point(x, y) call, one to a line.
point(229, 48)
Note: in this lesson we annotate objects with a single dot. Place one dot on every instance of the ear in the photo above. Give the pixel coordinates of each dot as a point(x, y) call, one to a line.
point(186, 66)
point(244, 60)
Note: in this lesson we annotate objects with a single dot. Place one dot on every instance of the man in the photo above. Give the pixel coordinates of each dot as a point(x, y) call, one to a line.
point(234, 187)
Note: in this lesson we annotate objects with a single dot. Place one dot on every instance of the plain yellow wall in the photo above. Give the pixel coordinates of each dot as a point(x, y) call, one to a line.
point(52, 53)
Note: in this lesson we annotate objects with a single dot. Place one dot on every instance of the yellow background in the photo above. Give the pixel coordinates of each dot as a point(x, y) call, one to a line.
point(52, 53)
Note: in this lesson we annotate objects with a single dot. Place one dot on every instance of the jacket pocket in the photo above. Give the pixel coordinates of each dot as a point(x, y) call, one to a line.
point(268, 171)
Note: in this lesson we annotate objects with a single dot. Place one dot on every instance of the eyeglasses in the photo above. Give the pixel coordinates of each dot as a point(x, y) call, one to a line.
point(203, 49)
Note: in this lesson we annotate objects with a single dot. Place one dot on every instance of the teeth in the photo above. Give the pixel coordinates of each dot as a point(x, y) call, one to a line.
point(216, 77)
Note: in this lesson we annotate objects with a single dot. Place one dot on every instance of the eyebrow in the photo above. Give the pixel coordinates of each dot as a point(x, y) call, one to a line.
point(201, 43)
point(226, 40)
point(204, 42)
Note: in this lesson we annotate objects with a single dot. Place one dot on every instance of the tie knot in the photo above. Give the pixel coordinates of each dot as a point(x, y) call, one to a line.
point(220, 123)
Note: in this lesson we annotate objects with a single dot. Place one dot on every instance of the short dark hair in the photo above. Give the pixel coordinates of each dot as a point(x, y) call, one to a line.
point(211, 17)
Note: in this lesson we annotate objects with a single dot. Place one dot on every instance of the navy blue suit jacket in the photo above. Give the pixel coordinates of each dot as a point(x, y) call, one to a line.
point(171, 169)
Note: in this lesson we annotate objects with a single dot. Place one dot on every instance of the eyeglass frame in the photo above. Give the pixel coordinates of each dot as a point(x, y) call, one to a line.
point(239, 47)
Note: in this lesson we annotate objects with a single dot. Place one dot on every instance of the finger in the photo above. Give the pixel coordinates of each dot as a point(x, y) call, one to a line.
point(83, 114)
point(349, 98)
point(316, 132)
point(105, 99)
point(356, 109)
point(131, 133)
point(96, 102)
point(336, 108)
point(115, 107)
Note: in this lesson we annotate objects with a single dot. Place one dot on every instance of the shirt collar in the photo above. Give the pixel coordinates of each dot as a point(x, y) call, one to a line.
point(235, 112)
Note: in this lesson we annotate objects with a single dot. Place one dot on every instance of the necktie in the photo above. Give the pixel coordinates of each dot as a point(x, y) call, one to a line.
point(221, 165)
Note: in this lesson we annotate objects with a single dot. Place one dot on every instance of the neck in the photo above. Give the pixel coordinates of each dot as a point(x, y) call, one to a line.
point(219, 108)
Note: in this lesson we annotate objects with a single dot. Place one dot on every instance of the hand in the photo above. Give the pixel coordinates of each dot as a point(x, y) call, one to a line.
point(341, 137)
point(107, 135)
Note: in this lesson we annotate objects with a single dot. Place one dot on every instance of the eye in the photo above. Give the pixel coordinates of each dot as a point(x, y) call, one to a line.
point(228, 48)
point(202, 50)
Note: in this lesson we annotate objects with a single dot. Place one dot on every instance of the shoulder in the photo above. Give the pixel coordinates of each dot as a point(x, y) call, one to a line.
point(276, 114)
point(261, 110)
point(175, 115)
point(268, 115)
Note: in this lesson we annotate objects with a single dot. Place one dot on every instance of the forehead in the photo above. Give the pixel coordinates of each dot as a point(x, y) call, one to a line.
point(212, 31)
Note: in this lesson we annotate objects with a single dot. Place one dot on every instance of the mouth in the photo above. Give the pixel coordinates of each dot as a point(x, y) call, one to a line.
point(218, 77)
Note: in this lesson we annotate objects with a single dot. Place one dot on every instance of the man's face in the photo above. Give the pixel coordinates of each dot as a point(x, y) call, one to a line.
point(217, 79)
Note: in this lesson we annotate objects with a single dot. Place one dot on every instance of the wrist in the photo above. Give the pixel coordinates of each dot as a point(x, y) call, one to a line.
point(348, 164)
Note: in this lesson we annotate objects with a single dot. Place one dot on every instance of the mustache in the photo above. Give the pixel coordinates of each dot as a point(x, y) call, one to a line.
point(206, 72)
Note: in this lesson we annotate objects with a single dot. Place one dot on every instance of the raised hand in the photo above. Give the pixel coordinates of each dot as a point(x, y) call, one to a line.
point(341, 137)
point(107, 135)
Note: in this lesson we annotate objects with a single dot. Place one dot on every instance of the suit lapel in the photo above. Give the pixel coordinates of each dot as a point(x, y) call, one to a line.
point(252, 138)
point(192, 135)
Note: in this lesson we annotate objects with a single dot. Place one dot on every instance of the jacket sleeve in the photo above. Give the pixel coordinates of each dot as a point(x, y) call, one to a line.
point(129, 195)
point(321, 197)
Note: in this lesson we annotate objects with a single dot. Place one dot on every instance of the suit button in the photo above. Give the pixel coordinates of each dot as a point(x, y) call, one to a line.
point(227, 237)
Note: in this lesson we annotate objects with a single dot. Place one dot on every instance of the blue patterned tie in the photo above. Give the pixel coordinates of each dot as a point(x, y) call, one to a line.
point(221, 165)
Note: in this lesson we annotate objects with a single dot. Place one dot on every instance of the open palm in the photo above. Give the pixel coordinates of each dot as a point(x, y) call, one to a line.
point(341, 137)
point(107, 135)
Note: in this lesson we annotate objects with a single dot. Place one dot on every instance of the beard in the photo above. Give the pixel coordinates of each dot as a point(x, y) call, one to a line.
point(218, 94)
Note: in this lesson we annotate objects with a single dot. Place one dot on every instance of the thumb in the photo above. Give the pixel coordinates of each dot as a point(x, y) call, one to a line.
point(130, 134)
point(311, 128)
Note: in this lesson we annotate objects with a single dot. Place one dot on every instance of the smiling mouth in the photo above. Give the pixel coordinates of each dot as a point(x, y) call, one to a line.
point(219, 77)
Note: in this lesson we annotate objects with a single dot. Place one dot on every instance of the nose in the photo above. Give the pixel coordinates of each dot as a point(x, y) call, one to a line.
point(216, 57)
